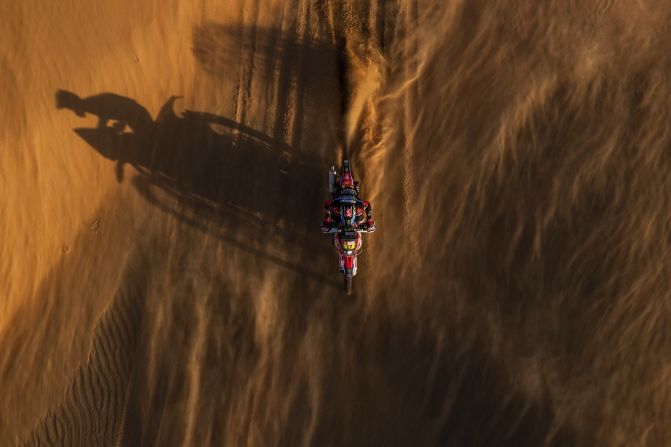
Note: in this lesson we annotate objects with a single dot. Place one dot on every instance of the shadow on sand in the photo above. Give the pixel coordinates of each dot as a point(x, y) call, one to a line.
point(219, 171)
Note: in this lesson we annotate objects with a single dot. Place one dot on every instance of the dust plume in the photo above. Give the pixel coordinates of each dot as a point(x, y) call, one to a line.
point(164, 169)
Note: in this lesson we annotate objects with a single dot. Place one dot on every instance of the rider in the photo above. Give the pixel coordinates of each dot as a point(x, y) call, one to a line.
point(348, 195)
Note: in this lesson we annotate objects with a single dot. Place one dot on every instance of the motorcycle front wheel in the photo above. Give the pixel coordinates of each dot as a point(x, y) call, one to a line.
point(348, 284)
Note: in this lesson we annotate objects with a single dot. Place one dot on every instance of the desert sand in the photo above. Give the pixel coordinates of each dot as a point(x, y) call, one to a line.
point(163, 280)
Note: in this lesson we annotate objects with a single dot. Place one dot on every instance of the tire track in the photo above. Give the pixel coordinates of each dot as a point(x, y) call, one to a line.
point(248, 63)
point(296, 95)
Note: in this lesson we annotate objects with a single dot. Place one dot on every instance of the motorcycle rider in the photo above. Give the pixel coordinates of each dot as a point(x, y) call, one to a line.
point(348, 196)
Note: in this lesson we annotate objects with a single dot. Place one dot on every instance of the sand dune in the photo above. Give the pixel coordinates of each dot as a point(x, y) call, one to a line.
point(164, 280)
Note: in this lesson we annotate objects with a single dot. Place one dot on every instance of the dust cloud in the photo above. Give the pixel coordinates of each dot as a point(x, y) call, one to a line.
point(163, 166)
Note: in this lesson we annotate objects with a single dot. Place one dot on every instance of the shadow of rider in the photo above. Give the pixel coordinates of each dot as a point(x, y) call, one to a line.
point(203, 159)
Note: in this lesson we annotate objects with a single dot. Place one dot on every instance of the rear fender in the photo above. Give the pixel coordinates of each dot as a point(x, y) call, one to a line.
point(346, 177)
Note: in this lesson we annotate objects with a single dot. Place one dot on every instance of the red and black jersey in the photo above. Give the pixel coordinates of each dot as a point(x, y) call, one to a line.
point(360, 208)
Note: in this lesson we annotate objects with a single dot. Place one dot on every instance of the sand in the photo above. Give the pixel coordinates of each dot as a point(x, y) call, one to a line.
point(163, 168)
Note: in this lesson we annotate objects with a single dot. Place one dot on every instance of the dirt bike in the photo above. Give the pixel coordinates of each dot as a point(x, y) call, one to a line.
point(347, 237)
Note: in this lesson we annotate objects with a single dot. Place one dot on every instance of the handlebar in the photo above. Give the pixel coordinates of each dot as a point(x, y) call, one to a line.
point(343, 230)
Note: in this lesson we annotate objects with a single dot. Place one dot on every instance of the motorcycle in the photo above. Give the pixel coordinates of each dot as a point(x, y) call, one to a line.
point(347, 237)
